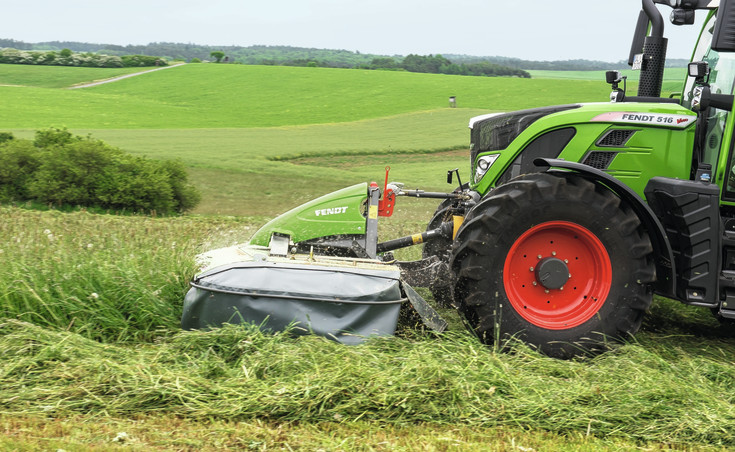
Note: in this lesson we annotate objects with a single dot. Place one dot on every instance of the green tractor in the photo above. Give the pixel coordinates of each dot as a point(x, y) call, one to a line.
point(575, 215)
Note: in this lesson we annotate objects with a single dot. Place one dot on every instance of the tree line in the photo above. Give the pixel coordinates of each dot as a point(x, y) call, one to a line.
point(65, 57)
point(302, 56)
point(437, 64)
point(296, 56)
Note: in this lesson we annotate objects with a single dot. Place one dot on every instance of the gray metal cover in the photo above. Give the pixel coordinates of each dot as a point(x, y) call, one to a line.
point(346, 304)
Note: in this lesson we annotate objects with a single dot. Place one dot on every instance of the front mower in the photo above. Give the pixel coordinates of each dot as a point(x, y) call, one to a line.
point(320, 268)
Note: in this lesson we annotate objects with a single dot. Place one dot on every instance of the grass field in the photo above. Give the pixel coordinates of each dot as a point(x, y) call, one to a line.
point(57, 76)
point(222, 96)
point(90, 344)
point(91, 338)
point(240, 115)
point(672, 83)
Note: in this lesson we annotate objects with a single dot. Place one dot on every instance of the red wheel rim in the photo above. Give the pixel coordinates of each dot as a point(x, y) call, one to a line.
point(571, 247)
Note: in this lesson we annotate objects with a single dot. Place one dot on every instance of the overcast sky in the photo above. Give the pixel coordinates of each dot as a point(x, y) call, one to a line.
point(527, 29)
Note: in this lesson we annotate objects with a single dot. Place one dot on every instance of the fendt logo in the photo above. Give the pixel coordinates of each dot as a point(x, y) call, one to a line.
point(330, 211)
point(658, 119)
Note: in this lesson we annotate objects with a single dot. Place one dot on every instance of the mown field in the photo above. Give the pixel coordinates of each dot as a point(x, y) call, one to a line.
point(227, 122)
point(92, 356)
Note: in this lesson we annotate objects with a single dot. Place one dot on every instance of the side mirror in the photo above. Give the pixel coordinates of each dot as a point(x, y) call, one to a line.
point(450, 173)
point(723, 36)
point(700, 98)
point(682, 17)
point(704, 98)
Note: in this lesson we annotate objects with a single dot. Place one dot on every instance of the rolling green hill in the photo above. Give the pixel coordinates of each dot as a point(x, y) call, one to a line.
point(672, 83)
point(56, 77)
point(225, 121)
point(209, 95)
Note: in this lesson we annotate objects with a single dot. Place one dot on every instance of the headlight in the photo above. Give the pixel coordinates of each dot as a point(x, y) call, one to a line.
point(483, 164)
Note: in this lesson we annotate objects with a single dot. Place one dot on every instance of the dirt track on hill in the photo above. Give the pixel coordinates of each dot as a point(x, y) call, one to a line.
point(115, 79)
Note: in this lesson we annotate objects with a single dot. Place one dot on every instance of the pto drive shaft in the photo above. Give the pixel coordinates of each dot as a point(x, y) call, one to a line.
point(445, 230)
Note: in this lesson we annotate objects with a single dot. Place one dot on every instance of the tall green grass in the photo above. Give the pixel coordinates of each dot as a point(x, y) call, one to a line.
point(660, 391)
point(106, 278)
point(91, 306)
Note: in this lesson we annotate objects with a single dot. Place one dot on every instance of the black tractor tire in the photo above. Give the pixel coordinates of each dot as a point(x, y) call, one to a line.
point(556, 261)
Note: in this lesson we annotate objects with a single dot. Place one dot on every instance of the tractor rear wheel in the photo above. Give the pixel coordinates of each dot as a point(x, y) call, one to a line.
point(555, 261)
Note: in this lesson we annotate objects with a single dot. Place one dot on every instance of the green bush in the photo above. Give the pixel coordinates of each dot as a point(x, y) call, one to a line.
point(58, 168)
point(6, 136)
point(142, 60)
point(19, 160)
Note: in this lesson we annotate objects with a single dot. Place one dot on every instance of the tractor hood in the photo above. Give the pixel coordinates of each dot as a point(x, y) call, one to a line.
point(494, 132)
point(505, 145)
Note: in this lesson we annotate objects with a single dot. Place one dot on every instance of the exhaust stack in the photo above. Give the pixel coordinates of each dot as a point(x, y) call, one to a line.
point(651, 62)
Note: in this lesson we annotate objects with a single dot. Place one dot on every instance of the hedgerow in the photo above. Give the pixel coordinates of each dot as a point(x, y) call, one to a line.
point(60, 169)
point(68, 58)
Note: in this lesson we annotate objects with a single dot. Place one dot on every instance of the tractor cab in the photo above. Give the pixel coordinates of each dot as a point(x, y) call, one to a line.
point(709, 92)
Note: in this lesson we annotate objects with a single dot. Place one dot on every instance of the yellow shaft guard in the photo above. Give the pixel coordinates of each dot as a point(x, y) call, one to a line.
point(457, 220)
point(417, 239)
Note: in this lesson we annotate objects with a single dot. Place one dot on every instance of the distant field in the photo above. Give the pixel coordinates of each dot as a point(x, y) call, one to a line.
point(232, 169)
point(57, 76)
point(673, 78)
point(224, 96)
point(226, 122)
point(670, 74)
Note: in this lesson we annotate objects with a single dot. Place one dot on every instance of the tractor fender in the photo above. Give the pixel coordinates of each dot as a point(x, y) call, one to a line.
point(663, 255)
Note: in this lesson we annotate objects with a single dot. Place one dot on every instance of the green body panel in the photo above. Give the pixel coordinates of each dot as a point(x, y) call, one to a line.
point(337, 213)
point(656, 149)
